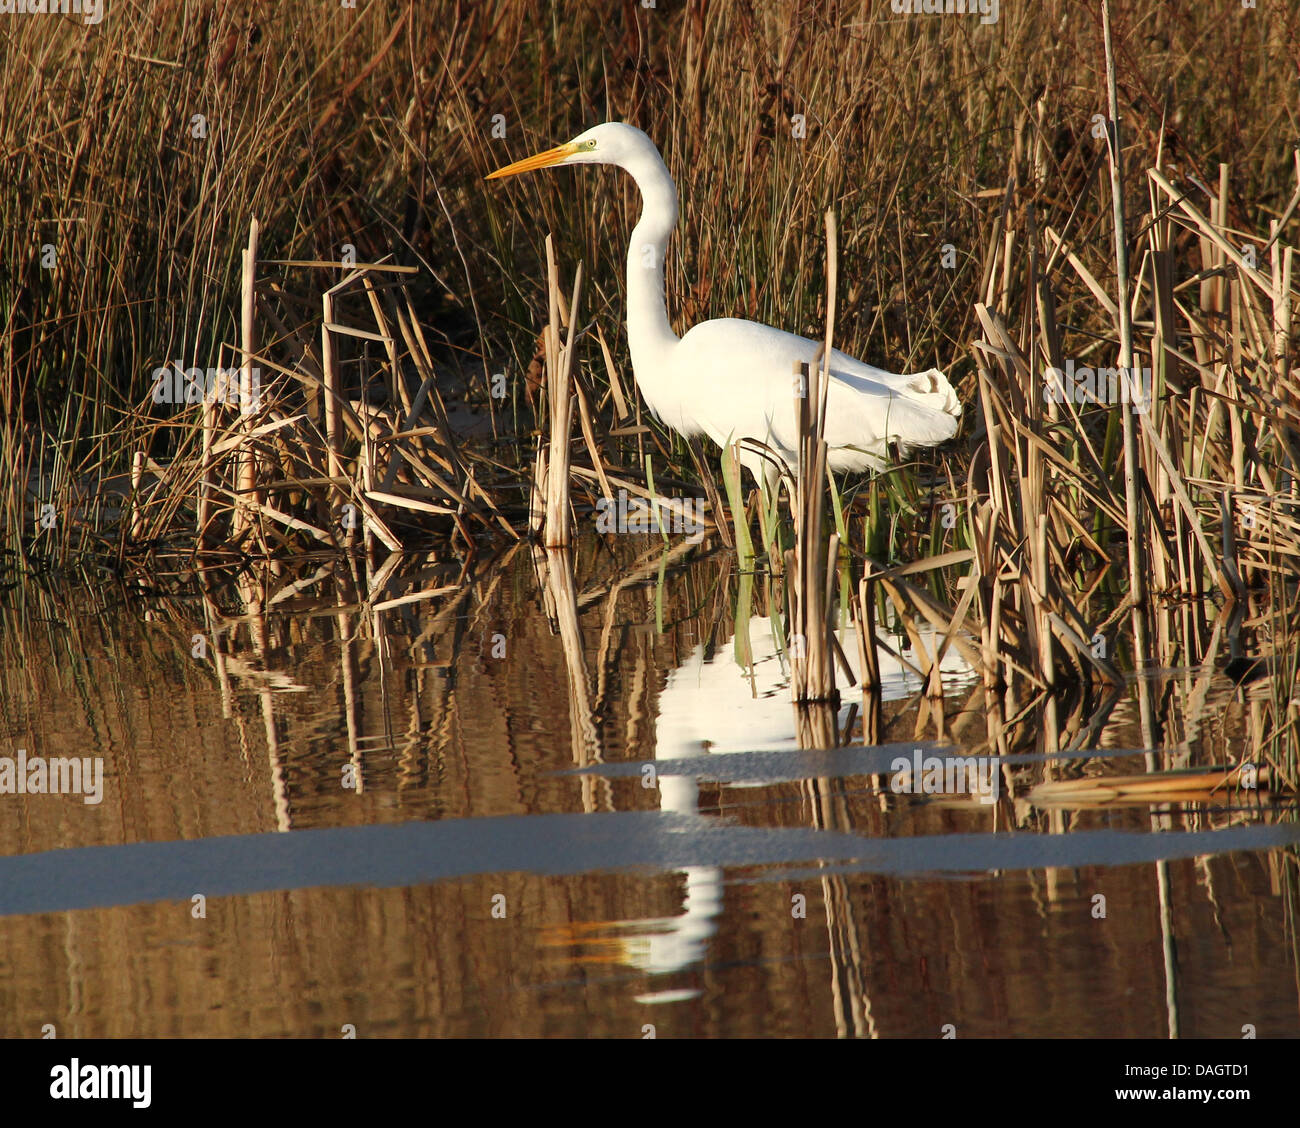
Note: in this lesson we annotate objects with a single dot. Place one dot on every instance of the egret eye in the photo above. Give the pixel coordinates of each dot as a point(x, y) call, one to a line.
point(588, 145)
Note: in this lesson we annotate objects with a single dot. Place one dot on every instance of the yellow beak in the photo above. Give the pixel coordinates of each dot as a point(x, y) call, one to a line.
point(540, 160)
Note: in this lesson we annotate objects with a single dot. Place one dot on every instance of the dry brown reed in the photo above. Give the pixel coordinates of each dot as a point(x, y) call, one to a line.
point(965, 163)
point(810, 577)
point(290, 455)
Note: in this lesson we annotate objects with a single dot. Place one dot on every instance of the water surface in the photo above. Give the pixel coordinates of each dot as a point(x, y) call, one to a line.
point(473, 814)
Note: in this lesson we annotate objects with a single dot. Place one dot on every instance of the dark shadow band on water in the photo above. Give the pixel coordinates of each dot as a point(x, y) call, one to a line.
point(418, 853)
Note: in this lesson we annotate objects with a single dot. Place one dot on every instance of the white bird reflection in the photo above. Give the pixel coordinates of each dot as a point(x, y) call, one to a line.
point(712, 704)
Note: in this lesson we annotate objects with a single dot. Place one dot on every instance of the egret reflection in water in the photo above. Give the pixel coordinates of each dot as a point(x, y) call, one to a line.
point(713, 704)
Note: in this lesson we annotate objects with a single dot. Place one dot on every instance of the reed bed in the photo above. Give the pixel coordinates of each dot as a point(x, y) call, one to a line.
point(332, 434)
point(1102, 528)
point(298, 206)
point(1054, 191)
point(124, 223)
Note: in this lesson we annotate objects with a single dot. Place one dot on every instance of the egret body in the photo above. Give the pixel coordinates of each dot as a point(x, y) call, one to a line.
point(731, 379)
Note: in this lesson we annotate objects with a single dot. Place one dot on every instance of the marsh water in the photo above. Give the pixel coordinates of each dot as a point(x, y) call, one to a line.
point(567, 797)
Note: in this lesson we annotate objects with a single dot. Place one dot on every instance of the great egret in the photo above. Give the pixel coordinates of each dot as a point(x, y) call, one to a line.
point(731, 379)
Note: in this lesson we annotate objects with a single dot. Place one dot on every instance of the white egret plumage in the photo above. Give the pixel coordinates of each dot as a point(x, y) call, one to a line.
point(731, 379)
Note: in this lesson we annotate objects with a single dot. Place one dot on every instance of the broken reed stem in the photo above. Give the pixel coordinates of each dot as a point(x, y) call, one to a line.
point(1136, 525)
point(137, 474)
point(330, 378)
point(205, 472)
point(537, 493)
point(1281, 263)
point(559, 394)
point(812, 659)
point(246, 471)
point(557, 517)
point(1137, 586)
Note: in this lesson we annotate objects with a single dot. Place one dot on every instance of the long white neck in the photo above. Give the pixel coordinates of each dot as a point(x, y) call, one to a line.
point(649, 335)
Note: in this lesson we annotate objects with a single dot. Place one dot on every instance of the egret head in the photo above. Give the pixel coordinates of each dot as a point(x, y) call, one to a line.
point(611, 143)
